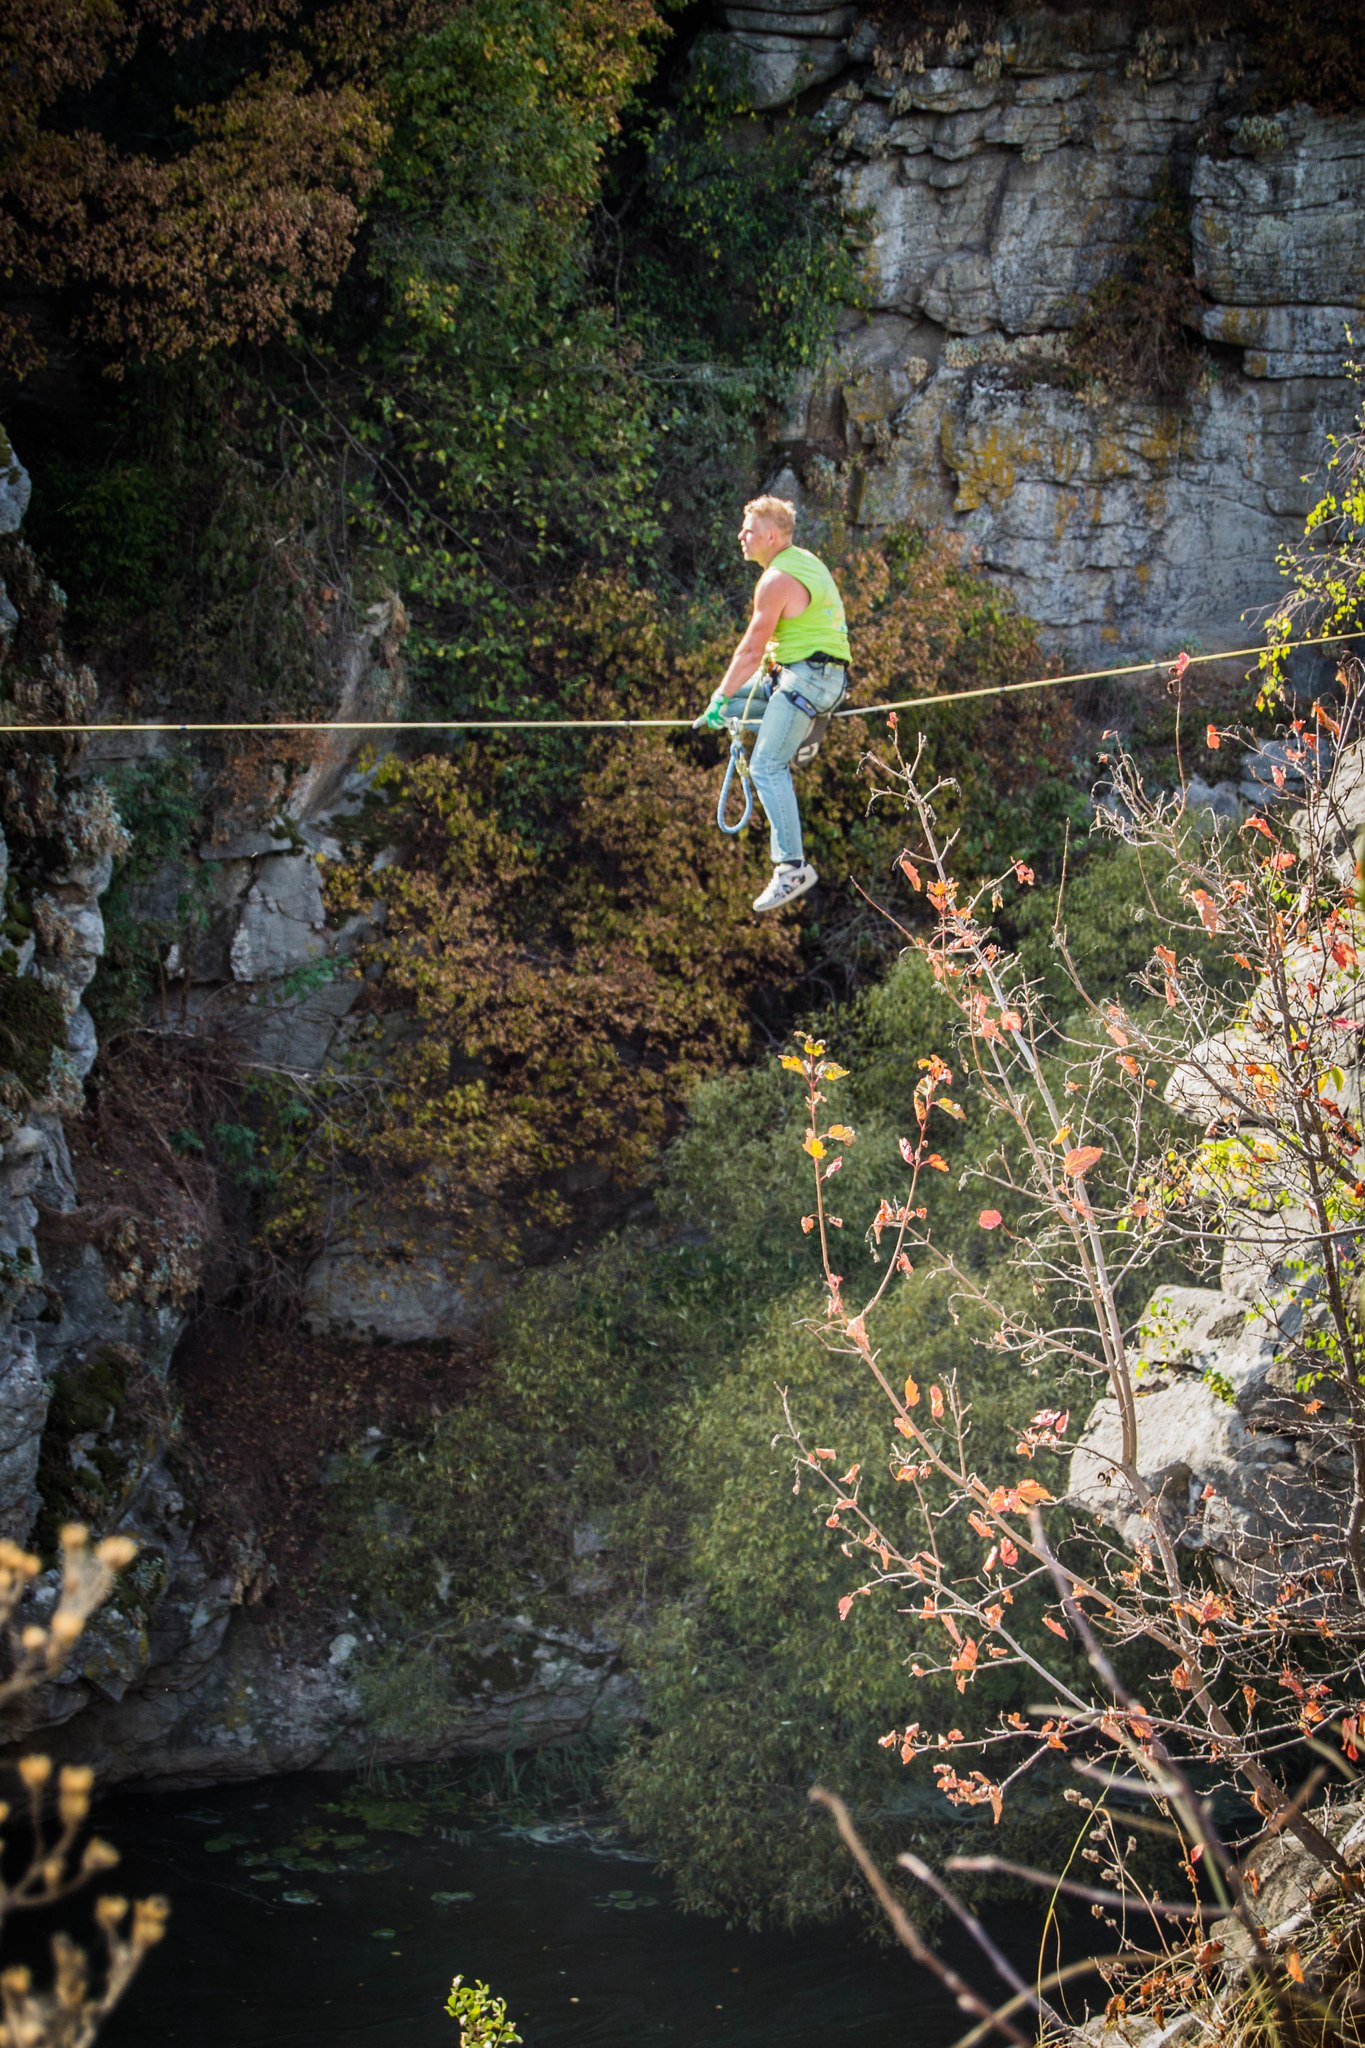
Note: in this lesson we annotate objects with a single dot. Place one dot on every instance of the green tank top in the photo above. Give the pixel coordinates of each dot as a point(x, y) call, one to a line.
point(821, 628)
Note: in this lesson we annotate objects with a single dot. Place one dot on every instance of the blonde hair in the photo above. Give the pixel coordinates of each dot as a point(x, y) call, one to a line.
point(780, 513)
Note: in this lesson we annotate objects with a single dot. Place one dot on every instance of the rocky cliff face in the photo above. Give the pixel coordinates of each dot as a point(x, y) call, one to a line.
point(1003, 181)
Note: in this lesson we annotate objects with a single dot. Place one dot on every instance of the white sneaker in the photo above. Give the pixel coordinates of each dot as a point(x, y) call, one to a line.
point(787, 884)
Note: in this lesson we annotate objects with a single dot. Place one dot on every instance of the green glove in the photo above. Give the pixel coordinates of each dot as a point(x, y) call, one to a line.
point(713, 718)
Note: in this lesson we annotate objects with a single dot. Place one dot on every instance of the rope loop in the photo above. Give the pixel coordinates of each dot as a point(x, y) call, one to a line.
point(738, 763)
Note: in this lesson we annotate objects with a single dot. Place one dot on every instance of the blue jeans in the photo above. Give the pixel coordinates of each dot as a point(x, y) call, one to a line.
point(783, 728)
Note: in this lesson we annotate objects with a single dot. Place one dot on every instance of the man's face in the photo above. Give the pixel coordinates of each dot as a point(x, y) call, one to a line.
point(754, 536)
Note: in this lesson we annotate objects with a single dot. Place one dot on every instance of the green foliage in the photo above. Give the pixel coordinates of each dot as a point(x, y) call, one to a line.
point(739, 253)
point(1307, 50)
point(158, 802)
point(509, 437)
point(1325, 569)
point(32, 1028)
point(198, 538)
point(482, 2018)
point(238, 1147)
point(114, 530)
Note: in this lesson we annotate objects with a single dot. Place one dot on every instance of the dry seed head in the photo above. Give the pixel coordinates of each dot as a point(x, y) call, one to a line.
point(66, 1627)
point(98, 1855)
point(34, 1639)
point(109, 1911)
point(116, 1552)
point(72, 1973)
point(73, 1793)
point(34, 1771)
point(20, 1562)
point(18, 1982)
point(54, 1870)
point(73, 1536)
point(149, 1920)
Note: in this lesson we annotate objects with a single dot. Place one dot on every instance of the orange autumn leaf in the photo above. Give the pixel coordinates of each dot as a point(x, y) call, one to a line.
point(989, 1219)
point(1212, 739)
point(1208, 910)
point(1080, 1159)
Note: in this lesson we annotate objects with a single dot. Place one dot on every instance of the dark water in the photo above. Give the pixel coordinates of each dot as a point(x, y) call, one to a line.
point(586, 1947)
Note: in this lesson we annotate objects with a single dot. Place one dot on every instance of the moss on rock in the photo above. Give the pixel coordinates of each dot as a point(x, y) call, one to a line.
point(32, 1028)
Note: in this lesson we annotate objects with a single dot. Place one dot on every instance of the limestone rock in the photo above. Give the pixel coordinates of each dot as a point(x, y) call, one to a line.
point(82, 1041)
point(70, 932)
point(1109, 518)
point(299, 1035)
point(89, 1315)
point(16, 487)
point(1282, 341)
point(792, 18)
point(775, 68)
point(1291, 1883)
point(1222, 1484)
point(23, 1410)
point(1000, 196)
point(393, 1281)
point(1017, 242)
point(1287, 229)
point(1221, 801)
point(282, 920)
point(247, 844)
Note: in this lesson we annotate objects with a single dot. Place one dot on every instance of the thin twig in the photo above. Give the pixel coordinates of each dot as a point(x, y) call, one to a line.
point(1002, 1965)
point(905, 1930)
point(1161, 1909)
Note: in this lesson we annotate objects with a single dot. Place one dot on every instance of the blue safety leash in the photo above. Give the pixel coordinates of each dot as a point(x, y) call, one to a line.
point(739, 760)
point(738, 763)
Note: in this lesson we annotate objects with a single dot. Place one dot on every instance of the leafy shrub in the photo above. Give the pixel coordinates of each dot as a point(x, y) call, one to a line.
point(32, 1028)
point(158, 801)
point(1131, 332)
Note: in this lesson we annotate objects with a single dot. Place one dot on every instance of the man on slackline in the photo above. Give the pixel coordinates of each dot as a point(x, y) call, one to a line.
point(798, 638)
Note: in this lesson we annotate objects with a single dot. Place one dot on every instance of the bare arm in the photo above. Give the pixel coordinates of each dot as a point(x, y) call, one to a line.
point(778, 596)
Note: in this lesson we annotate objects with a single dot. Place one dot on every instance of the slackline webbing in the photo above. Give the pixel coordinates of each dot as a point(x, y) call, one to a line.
point(1091, 675)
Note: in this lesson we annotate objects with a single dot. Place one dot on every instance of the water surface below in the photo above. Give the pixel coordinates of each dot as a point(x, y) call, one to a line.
point(357, 1940)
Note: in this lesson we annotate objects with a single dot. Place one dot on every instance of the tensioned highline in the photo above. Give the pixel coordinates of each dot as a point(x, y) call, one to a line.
point(1090, 675)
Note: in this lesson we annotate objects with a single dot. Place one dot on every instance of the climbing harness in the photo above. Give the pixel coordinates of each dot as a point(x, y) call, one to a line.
point(810, 745)
point(738, 762)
